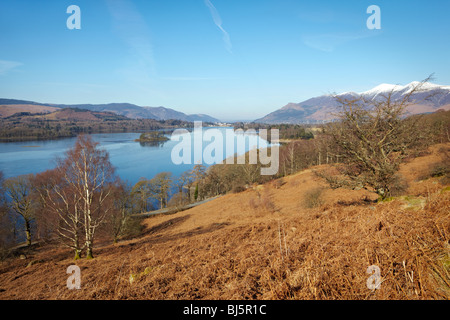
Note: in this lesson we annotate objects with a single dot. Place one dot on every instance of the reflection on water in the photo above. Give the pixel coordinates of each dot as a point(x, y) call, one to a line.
point(132, 160)
point(152, 143)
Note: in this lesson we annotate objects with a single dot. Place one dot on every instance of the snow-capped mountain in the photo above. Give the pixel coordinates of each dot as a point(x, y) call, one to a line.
point(399, 91)
point(321, 109)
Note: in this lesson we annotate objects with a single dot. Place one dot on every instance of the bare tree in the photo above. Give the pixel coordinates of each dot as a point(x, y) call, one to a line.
point(291, 157)
point(183, 185)
point(89, 173)
point(141, 194)
point(214, 183)
point(160, 185)
point(123, 208)
point(60, 212)
point(198, 173)
point(184, 181)
point(3, 207)
point(373, 137)
point(19, 190)
point(6, 236)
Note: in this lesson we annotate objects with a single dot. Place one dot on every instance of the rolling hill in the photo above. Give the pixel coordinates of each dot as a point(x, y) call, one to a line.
point(128, 110)
point(35, 122)
point(73, 114)
point(167, 113)
point(11, 109)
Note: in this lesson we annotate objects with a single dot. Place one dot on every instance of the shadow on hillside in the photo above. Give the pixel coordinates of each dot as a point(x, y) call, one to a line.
point(158, 234)
point(360, 202)
point(161, 238)
point(169, 224)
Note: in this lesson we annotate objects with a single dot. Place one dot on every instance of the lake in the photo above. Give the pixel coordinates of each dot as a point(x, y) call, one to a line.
point(131, 159)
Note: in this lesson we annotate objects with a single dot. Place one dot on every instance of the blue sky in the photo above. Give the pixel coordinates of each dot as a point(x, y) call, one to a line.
point(231, 59)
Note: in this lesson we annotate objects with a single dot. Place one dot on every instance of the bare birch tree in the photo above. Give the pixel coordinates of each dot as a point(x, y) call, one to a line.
point(60, 210)
point(89, 173)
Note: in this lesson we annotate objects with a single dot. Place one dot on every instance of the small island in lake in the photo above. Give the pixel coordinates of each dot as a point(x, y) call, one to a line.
point(154, 136)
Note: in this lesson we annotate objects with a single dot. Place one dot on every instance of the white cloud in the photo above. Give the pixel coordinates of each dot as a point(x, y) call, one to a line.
point(218, 22)
point(6, 66)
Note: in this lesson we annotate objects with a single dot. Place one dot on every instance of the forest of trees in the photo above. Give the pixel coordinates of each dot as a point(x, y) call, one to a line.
point(83, 199)
point(26, 127)
point(286, 131)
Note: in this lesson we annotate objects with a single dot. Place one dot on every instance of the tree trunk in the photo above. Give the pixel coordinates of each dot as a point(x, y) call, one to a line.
point(28, 232)
point(77, 247)
point(89, 254)
point(196, 192)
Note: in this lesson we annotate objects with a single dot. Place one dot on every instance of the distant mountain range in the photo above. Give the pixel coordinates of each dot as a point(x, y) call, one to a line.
point(321, 109)
point(132, 111)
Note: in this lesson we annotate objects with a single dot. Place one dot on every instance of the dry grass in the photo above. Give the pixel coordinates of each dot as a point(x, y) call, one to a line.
point(313, 198)
point(264, 244)
point(9, 110)
point(262, 202)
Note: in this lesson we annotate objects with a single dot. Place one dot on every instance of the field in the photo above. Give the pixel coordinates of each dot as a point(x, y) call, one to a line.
point(293, 238)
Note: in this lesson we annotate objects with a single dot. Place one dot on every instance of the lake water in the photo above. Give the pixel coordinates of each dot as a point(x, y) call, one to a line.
point(131, 159)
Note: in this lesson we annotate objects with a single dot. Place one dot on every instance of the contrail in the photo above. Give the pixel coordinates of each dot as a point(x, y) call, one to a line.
point(6, 66)
point(132, 29)
point(218, 21)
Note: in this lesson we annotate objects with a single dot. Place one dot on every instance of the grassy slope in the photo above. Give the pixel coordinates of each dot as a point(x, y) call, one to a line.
point(265, 244)
point(9, 110)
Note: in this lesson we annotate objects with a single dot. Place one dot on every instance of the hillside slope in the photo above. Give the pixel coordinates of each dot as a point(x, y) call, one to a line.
point(273, 241)
point(128, 110)
point(9, 110)
point(430, 98)
point(72, 114)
